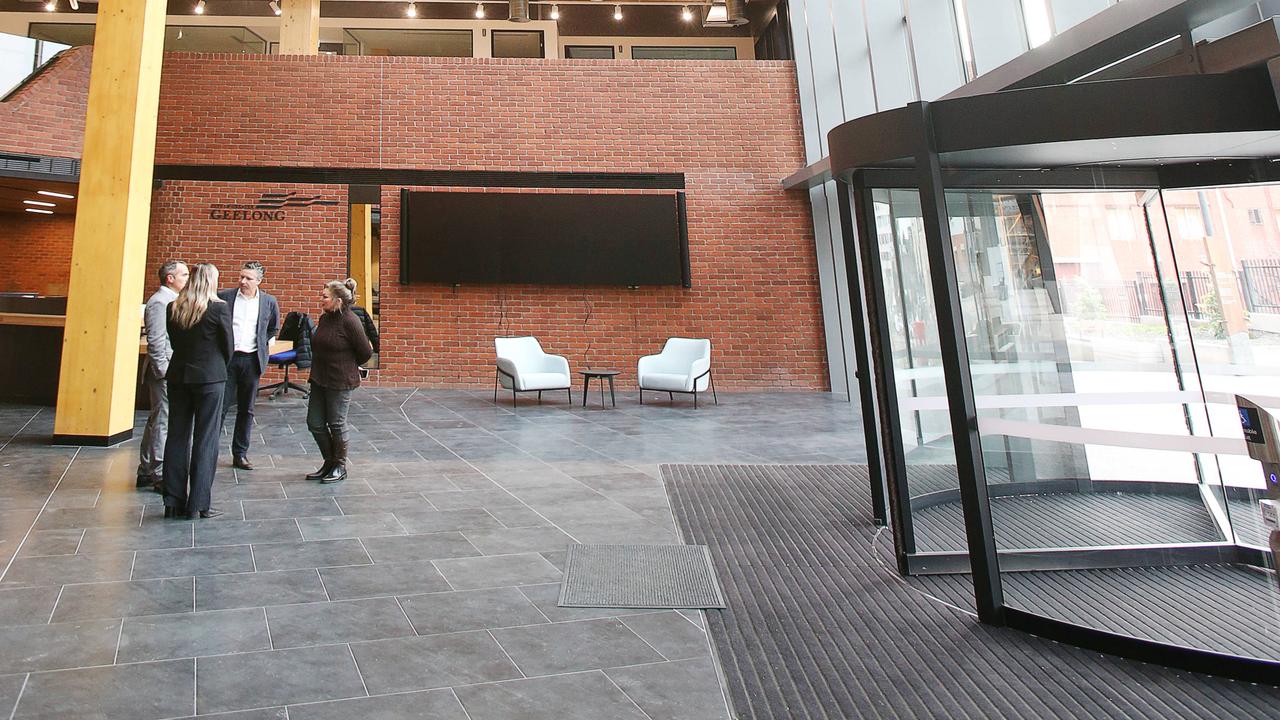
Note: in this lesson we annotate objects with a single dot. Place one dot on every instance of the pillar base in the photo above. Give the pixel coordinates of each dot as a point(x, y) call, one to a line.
point(93, 440)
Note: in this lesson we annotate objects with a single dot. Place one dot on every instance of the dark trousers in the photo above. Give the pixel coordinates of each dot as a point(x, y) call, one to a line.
point(242, 389)
point(191, 454)
point(327, 412)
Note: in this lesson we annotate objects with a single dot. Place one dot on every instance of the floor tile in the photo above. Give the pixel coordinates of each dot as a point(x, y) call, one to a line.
point(546, 597)
point(497, 571)
point(321, 553)
point(27, 606)
point(670, 634)
point(51, 542)
point(247, 532)
point(448, 612)
point(350, 526)
point(10, 688)
point(97, 540)
point(428, 705)
point(260, 714)
point(574, 646)
point(345, 583)
point(337, 622)
point(506, 541)
point(518, 516)
point(277, 677)
point(471, 499)
point(583, 696)
point(408, 548)
point(193, 561)
point(142, 691)
point(302, 507)
point(28, 648)
point(115, 516)
point(305, 488)
point(686, 690)
point(422, 663)
point(124, 599)
point(219, 592)
point(433, 521)
point(372, 504)
point(61, 569)
point(162, 637)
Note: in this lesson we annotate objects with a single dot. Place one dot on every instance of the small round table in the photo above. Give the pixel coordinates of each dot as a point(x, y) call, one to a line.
point(601, 376)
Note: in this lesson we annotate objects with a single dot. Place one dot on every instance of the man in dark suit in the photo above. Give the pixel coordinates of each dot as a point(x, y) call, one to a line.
point(256, 322)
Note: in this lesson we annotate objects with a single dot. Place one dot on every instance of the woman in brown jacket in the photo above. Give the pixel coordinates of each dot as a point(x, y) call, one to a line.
point(338, 348)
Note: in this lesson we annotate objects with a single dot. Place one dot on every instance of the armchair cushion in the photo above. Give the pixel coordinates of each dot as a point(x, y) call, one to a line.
point(524, 366)
point(682, 363)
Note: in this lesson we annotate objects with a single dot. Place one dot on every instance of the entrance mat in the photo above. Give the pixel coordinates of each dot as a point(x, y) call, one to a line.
point(817, 628)
point(640, 576)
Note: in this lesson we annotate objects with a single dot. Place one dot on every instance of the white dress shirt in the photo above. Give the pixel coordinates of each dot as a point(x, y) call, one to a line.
point(244, 323)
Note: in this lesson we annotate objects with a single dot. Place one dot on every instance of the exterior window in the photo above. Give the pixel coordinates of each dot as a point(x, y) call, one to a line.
point(684, 53)
point(588, 52)
point(407, 43)
point(1255, 216)
point(517, 44)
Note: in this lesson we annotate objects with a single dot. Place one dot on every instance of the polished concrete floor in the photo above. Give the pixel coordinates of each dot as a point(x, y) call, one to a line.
point(424, 586)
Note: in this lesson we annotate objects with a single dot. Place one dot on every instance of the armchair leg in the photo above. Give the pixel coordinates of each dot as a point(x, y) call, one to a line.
point(570, 391)
point(513, 395)
point(712, 378)
point(495, 387)
point(671, 398)
point(695, 396)
point(539, 397)
point(641, 396)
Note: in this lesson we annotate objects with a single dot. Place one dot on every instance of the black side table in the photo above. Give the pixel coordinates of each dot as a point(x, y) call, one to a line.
point(601, 376)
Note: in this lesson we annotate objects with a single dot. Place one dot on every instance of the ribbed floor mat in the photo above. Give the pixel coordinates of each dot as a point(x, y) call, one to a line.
point(639, 576)
point(817, 628)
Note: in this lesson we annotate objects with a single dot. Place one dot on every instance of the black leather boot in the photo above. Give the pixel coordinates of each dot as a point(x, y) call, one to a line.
point(325, 443)
point(338, 466)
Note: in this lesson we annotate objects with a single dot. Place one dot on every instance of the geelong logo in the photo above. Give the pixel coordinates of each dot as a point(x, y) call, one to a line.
point(270, 207)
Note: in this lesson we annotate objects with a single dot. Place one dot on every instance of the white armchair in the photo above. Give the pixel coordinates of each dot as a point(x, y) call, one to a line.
point(683, 366)
point(524, 367)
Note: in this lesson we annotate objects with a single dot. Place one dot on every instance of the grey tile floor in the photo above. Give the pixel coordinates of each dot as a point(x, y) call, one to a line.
point(424, 586)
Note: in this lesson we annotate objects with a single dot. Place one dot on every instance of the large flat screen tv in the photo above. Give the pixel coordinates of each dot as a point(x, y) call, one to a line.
point(543, 238)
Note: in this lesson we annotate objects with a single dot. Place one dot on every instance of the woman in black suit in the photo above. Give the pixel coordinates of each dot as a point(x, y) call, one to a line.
point(200, 331)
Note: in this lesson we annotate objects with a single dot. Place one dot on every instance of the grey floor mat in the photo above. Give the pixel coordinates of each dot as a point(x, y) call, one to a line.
point(639, 576)
point(817, 628)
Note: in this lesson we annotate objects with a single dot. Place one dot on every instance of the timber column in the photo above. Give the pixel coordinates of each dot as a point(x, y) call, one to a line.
point(108, 258)
point(300, 27)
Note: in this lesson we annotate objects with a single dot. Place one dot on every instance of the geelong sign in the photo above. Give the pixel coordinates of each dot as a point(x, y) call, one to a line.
point(269, 208)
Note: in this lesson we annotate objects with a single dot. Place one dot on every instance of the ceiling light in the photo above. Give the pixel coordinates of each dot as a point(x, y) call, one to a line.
point(479, 10)
point(50, 193)
point(686, 14)
point(717, 14)
point(39, 203)
point(51, 5)
point(411, 11)
point(555, 12)
point(617, 12)
point(275, 7)
point(200, 7)
point(39, 211)
point(75, 4)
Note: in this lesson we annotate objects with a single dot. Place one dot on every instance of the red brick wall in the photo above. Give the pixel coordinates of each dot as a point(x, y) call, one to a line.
point(732, 128)
point(46, 117)
point(35, 252)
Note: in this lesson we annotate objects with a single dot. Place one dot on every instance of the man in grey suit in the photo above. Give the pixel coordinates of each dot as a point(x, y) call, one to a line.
point(173, 277)
point(256, 322)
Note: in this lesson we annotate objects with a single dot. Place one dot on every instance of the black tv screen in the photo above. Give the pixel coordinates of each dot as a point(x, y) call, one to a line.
point(543, 238)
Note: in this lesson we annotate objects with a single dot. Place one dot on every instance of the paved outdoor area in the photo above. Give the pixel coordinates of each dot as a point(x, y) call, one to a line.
point(424, 586)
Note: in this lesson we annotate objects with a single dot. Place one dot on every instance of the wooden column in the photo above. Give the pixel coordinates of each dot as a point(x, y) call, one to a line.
point(362, 254)
point(300, 27)
point(98, 376)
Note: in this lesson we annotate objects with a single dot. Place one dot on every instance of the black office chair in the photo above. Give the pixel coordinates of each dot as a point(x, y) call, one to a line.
point(297, 328)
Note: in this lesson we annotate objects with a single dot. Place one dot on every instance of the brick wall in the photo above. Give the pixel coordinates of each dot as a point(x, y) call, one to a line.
point(732, 128)
point(46, 116)
point(35, 252)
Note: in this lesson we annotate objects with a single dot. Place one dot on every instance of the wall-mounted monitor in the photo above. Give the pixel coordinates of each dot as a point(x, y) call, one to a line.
point(556, 238)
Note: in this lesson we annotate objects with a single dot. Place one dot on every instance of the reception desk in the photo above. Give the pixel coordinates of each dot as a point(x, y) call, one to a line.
point(31, 349)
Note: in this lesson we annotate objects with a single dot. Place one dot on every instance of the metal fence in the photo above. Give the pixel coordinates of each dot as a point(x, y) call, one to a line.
point(1260, 285)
